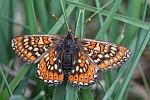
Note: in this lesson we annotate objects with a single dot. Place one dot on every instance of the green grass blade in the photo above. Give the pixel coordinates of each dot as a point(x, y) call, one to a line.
point(86, 94)
point(98, 5)
point(21, 89)
point(144, 9)
point(41, 8)
point(79, 30)
point(130, 30)
point(60, 91)
point(71, 93)
point(144, 80)
point(82, 21)
point(100, 9)
point(133, 66)
point(128, 20)
point(6, 75)
point(3, 76)
point(38, 96)
point(17, 97)
point(112, 88)
point(120, 37)
point(14, 22)
point(57, 26)
point(108, 20)
point(64, 13)
point(31, 16)
point(53, 9)
point(5, 31)
point(15, 81)
point(2, 3)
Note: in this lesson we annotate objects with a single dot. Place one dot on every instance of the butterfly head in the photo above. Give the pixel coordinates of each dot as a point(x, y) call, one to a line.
point(69, 35)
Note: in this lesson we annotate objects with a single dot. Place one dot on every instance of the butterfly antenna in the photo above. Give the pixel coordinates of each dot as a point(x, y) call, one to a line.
point(56, 19)
point(88, 20)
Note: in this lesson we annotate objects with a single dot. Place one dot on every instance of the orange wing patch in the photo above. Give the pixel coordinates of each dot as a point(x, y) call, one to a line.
point(84, 72)
point(30, 48)
point(107, 56)
point(49, 69)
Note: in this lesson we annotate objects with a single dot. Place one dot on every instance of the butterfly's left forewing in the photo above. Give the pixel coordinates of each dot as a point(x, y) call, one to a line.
point(31, 48)
point(106, 55)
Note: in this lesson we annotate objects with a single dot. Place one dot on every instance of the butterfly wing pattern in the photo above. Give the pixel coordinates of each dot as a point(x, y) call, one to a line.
point(42, 49)
point(84, 71)
point(77, 58)
point(106, 55)
point(31, 48)
point(50, 69)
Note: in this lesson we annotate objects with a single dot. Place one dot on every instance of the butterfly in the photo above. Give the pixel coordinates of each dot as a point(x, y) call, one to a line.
point(77, 58)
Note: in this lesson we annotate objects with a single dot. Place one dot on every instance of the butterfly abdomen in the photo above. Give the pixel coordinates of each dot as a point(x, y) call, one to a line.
point(66, 63)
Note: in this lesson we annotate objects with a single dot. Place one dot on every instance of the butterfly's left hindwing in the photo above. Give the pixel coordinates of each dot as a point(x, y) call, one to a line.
point(83, 72)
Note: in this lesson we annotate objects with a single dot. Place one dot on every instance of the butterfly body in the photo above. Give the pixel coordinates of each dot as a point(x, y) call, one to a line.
point(68, 46)
point(78, 58)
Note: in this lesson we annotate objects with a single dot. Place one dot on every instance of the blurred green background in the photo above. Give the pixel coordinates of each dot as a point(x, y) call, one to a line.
point(111, 19)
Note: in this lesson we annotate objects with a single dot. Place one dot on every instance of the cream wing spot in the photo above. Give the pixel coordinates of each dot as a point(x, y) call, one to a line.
point(91, 53)
point(54, 59)
point(87, 61)
point(37, 53)
point(52, 68)
point(113, 48)
point(107, 56)
point(59, 70)
point(85, 48)
point(95, 76)
point(47, 63)
point(30, 48)
point(46, 55)
point(26, 46)
point(35, 49)
point(77, 68)
point(48, 67)
point(38, 72)
point(45, 49)
point(84, 70)
point(81, 71)
point(72, 71)
point(47, 58)
point(26, 43)
point(55, 66)
point(86, 84)
point(50, 81)
point(26, 39)
point(80, 83)
point(79, 61)
point(97, 47)
point(100, 55)
point(55, 52)
point(79, 54)
point(40, 40)
point(55, 81)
